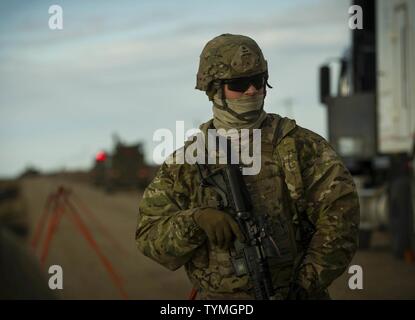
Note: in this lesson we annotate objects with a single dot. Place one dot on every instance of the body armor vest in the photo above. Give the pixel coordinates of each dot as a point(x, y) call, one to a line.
point(276, 193)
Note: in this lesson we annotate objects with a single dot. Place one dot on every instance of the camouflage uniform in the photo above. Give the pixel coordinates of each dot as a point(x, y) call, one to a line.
point(303, 189)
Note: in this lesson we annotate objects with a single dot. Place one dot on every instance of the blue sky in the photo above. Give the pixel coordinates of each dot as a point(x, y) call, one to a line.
point(129, 67)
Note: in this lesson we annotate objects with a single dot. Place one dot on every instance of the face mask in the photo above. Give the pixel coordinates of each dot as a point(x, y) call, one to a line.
point(245, 112)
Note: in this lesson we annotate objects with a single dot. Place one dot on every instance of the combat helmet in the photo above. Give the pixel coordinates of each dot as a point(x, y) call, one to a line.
point(229, 56)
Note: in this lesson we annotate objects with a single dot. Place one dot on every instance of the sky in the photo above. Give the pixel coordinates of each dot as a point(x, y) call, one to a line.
point(129, 68)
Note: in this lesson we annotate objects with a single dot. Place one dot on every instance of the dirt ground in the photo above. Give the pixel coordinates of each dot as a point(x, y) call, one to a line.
point(112, 226)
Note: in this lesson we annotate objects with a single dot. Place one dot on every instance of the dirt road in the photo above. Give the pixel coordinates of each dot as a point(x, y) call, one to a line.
point(85, 276)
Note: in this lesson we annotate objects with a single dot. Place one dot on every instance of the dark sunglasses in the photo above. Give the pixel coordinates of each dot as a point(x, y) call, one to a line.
point(242, 84)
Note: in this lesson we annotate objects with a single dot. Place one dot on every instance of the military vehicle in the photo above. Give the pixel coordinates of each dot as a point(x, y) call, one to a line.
point(371, 117)
point(124, 168)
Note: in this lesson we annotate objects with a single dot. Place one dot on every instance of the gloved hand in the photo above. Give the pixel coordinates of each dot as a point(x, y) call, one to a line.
point(219, 226)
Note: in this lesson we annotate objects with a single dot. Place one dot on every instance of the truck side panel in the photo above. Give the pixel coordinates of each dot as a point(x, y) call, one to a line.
point(396, 75)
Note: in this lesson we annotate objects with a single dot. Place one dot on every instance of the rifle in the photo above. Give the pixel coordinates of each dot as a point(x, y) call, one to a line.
point(251, 255)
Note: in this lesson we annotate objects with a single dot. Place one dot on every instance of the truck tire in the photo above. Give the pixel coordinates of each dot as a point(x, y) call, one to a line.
point(365, 237)
point(400, 211)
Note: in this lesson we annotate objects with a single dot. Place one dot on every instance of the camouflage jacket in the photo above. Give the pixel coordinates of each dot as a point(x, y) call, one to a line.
point(301, 180)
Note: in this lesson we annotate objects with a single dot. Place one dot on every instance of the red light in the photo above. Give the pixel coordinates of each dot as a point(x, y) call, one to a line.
point(101, 156)
point(143, 173)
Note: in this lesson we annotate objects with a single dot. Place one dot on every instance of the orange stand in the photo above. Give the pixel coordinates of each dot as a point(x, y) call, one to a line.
point(58, 204)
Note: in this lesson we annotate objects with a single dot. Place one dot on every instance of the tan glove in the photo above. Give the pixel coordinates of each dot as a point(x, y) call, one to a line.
point(219, 226)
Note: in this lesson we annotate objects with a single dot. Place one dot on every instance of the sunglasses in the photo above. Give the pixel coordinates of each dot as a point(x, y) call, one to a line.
point(242, 84)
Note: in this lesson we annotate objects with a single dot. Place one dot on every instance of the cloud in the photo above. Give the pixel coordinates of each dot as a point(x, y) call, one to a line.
point(134, 73)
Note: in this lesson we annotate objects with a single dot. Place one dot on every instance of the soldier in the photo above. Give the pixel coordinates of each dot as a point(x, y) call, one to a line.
point(303, 189)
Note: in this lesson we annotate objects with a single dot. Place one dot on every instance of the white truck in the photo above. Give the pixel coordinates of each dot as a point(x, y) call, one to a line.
point(371, 117)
